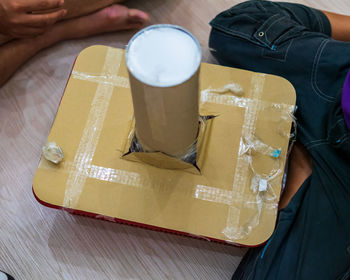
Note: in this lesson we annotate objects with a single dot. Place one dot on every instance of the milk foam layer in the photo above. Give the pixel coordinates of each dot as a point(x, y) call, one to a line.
point(163, 56)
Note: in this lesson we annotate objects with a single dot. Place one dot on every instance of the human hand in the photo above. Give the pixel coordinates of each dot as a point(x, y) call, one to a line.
point(18, 20)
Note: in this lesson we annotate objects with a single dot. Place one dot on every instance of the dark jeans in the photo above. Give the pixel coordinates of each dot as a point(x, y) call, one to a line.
point(312, 237)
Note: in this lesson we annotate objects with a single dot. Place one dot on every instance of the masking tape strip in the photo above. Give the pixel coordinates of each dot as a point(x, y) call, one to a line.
point(108, 79)
point(91, 134)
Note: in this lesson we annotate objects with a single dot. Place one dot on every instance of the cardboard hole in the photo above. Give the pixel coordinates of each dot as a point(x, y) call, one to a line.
point(190, 159)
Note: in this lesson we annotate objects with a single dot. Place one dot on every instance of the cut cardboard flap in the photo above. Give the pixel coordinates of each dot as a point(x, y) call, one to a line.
point(241, 154)
point(161, 160)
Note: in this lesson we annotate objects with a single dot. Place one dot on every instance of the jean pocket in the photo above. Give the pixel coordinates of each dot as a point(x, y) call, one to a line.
point(277, 30)
point(330, 68)
point(267, 26)
point(274, 32)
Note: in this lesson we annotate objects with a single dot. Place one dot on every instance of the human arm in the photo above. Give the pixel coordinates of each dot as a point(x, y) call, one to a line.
point(18, 20)
point(340, 25)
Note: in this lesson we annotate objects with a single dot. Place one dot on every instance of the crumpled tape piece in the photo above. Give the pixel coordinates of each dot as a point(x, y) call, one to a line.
point(252, 143)
point(232, 88)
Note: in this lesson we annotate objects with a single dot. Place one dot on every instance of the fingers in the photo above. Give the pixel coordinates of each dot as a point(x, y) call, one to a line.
point(43, 5)
point(26, 18)
point(44, 20)
point(137, 16)
point(27, 32)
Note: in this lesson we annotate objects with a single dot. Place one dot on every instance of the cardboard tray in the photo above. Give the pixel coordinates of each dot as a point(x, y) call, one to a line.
point(242, 152)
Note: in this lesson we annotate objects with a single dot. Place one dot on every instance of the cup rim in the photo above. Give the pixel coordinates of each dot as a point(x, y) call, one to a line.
point(157, 26)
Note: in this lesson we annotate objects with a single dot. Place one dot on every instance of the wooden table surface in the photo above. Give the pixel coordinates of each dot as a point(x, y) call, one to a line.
point(41, 243)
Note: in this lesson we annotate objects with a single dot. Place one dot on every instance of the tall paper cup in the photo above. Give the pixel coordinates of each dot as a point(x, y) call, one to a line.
point(163, 62)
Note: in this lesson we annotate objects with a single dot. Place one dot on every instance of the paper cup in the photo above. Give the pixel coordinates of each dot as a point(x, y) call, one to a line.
point(163, 62)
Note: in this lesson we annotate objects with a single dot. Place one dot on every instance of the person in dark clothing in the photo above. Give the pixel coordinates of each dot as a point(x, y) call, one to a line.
point(310, 49)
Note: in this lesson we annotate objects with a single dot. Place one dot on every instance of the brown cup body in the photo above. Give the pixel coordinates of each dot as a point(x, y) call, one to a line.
point(166, 117)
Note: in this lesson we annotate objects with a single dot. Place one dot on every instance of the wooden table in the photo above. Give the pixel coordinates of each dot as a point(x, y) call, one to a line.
point(41, 243)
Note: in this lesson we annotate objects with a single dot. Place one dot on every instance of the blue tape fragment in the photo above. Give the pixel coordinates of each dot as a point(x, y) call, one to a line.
point(276, 153)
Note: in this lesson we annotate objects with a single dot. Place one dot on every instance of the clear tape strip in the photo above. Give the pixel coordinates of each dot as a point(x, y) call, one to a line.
point(234, 229)
point(81, 168)
point(136, 180)
point(116, 176)
point(122, 177)
point(210, 95)
point(92, 131)
point(109, 79)
point(228, 197)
